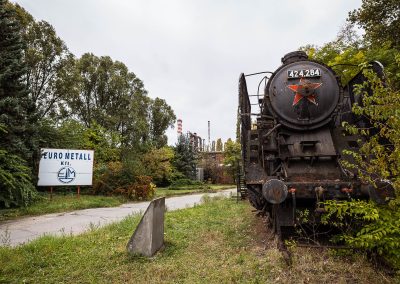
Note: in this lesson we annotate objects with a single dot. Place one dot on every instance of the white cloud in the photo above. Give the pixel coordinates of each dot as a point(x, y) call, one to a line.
point(192, 52)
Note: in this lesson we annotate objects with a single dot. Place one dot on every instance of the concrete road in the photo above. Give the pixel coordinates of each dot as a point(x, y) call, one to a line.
point(15, 232)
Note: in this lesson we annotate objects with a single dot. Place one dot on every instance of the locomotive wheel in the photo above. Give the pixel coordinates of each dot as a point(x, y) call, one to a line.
point(255, 198)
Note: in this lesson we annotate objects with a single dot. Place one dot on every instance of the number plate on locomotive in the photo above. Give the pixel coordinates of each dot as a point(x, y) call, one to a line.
point(304, 73)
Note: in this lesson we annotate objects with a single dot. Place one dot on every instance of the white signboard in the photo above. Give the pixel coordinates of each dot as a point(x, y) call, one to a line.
point(61, 167)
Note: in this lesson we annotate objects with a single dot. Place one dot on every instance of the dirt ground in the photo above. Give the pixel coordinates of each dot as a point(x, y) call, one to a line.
point(314, 265)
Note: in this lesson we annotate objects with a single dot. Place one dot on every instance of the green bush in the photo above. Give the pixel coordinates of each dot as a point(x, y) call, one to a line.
point(141, 189)
point(366, 225)
point(16, 188)
point(116, 178)
point(157, 164)
point(108, 177)
point(185, 182)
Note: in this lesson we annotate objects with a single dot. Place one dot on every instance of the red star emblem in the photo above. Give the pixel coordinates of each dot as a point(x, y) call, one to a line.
point(304, 89)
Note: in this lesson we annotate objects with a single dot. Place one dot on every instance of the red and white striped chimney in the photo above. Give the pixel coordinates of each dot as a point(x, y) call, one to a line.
point(179, 121)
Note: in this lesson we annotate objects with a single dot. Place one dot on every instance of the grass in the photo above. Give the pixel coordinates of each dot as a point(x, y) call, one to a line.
point(207, 188)
point(220, 241)
point(61, 203)
point(70, 202)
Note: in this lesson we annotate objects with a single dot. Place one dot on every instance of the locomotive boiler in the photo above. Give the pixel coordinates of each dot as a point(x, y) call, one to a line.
point(292, 144)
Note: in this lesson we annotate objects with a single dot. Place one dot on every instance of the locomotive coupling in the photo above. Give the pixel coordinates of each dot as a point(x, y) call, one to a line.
point(275, 191)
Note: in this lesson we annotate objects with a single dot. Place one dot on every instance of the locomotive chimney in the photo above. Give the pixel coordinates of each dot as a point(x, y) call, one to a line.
point(294, 57)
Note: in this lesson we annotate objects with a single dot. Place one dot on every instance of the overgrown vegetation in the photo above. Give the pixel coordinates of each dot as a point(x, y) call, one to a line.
point(367, 226)
point(185, 158)
point(15, 181)
point(16, 116)
point(370, 226)
point(219, 241)
point(51, 99)
point(232, 157)
point(375, 227)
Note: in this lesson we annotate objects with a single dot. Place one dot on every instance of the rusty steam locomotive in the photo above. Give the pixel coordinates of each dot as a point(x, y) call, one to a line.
point(292, 145)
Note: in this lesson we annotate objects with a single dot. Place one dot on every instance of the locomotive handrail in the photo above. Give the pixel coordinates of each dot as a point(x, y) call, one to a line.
point(258, 73)
point(265, 78)
point(344, 64)
point(272, 130)
point(256, 114)
point(249, 114)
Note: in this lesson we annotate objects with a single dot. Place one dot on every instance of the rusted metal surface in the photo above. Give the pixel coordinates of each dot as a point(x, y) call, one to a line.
point(303, 113)
point(292, 157)
point(255, 174)
point(274, 191)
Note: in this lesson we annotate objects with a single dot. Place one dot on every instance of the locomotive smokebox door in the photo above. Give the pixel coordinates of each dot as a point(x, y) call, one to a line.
point(303, 95)
point(274, 191)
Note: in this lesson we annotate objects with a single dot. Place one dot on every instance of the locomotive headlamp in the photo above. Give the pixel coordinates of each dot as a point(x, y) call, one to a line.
point(275, 191)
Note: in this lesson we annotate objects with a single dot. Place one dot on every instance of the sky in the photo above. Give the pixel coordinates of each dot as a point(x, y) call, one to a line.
point(191, 53)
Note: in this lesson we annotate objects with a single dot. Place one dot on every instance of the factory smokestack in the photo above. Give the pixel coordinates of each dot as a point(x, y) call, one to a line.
point(179, 122)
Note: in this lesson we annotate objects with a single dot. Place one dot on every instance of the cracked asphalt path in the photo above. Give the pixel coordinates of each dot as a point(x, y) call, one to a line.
point(19, 231)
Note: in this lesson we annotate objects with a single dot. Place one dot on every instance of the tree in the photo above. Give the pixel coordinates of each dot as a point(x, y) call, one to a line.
point(162, 117)
point(16, 107)
point(219, 146)
point(380, 19)
point(16, 188)
point(15, 184)
point(185, 157)
point(344, 54)
point(232, 156)
point(96, 100)
point(49, 74)
point(135, 124)
point(104, 142)
point(212, 169)
point(349, 51)
point(111, 96)
point(157, 164)
point(50, 69)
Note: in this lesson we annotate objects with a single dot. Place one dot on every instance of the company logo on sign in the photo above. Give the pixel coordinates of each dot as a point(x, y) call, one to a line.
point(66, 174)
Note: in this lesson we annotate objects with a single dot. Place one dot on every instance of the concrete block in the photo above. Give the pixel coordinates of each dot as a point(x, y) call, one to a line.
point(148, 237)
